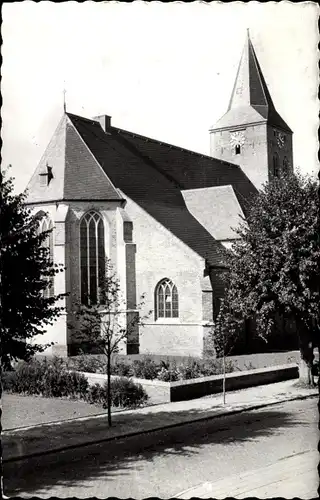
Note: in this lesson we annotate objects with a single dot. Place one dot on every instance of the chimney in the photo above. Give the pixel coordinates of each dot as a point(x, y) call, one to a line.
point(104, 120)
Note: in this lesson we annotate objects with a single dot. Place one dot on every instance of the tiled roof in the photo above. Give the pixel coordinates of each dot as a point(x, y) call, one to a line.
point(141, 176)
point(224, 214)
point(188, 169)
point(84, 177)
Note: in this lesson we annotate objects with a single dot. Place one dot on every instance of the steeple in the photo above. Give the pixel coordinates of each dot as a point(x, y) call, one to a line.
point(250, 99)
point(251, 133)
point(64, 101)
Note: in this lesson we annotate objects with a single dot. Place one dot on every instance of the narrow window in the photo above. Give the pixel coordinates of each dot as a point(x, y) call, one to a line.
point(46, 225)
point(92, 257)
point(275, 165)
point(238, 149)
point(285, 164)
point(167, 301)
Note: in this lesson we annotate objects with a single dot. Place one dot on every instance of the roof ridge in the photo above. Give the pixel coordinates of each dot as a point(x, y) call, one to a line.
point(89, 120)
point(157, 141)
point(172, 146)
point(208, 187)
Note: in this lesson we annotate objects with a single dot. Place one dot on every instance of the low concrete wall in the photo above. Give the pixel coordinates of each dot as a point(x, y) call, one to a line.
point(196, 388)
point(165, 392)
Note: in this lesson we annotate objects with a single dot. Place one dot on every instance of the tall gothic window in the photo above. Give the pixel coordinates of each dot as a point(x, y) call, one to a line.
point(45, 225)
point(92, 257)
point(275, 165)
point(166, 298)
point(285, 165)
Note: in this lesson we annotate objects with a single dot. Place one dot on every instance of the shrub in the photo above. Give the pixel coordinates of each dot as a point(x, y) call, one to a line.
point(122, 369)
point(27, 377)
point(190, 370)
point(46, 378)
point(88, 363)
point(168, 374)
point(95, 394)
point(9, 381)
point(215, 367)
point(124, 394)
point(145, 368)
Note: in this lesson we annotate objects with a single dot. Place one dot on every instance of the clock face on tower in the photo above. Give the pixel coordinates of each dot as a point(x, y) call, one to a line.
point(237, 138)
point(281, 139)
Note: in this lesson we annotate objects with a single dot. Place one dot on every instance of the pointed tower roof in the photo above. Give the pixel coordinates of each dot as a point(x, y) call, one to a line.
point(250, 100)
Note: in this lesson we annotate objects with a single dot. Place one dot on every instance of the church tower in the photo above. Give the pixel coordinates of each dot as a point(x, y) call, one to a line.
point(251, 133)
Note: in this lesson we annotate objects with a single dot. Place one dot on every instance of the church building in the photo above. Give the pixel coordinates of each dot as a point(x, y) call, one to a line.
point(162, 214)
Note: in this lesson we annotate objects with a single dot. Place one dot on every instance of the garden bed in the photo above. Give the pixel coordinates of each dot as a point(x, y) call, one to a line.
point(172, 368)
point(165, 392)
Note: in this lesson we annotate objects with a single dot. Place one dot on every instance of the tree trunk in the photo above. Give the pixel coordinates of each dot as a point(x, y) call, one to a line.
point(305, 366)
point(224, 379)
point(1, 467)
point(318, 491)
point(2, 495)
point(109, 387)
point(306, 353)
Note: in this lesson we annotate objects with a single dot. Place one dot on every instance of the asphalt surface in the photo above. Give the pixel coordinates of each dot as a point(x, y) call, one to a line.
point(164, 463)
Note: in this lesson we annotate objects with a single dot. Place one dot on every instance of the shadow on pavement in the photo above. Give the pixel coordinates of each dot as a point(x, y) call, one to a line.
point(116, 459)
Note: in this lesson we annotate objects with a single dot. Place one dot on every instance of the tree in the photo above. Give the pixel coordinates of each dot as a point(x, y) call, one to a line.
point(26, 271)
point(106, 324)
point(275, 265)
point(223, 335)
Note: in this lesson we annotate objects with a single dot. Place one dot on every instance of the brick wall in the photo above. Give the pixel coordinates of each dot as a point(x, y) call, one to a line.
point(253, 158)
point(159, 254)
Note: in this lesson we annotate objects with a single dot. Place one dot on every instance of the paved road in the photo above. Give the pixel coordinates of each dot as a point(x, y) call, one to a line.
point(165, 463)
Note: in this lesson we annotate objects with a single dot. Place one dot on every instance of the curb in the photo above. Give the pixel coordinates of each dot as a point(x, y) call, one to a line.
point(154, 429)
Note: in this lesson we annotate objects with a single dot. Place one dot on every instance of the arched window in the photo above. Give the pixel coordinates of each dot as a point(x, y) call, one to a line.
point(166, 298)
point(275, 165)
point(45, 224)
point(285, 165)
point(92, 257)
point(238, 149)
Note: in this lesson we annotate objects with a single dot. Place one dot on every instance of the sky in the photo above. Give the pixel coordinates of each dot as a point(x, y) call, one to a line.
point(164, 70)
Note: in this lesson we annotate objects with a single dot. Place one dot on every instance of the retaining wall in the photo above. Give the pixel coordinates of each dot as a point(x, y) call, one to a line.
point(165, 392)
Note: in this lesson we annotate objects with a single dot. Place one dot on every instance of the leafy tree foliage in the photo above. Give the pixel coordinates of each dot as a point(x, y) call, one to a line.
point(26, 272)
point(106, 324)
point(275, 265)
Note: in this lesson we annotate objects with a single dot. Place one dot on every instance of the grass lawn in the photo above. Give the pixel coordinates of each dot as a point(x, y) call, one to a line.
point(22, 411)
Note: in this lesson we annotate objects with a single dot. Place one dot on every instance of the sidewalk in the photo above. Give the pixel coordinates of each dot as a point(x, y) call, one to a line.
point(59, 436)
